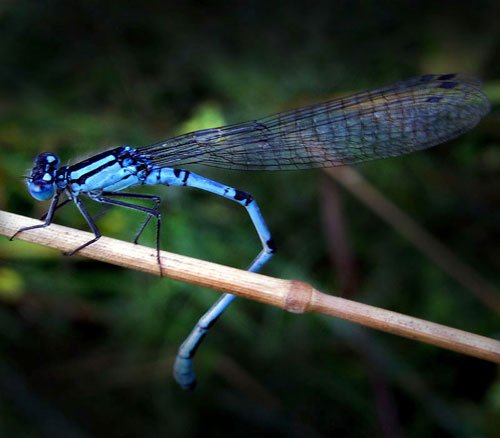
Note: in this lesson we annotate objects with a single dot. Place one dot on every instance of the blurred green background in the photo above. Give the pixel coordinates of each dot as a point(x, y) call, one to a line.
point(86, 348)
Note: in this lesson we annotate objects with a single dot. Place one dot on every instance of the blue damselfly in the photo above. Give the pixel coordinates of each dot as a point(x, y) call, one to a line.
point(393, 120)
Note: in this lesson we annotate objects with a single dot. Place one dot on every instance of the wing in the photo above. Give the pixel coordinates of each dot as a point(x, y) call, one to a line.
point(393, 120)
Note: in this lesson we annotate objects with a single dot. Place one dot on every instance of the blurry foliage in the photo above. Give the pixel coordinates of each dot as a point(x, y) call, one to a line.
point(94, 343)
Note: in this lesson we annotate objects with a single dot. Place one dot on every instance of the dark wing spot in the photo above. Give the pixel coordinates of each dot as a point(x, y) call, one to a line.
point(446, 77)
point(448, 85)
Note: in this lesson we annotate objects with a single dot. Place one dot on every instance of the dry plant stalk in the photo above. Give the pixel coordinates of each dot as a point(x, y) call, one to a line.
point(443, 257)
point(291, 295)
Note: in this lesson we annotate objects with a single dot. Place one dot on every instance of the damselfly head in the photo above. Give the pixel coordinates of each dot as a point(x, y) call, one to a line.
point(42, 180)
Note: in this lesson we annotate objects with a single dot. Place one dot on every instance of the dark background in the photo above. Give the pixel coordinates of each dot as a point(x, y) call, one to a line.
point(86, 348)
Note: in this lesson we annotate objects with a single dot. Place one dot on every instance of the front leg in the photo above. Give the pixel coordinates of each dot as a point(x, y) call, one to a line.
point(48, 217)
point(58, 207)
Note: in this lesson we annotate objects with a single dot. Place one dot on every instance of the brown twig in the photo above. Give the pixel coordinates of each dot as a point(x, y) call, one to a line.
point(336, 232)
point(424, 241)
point(291, 295)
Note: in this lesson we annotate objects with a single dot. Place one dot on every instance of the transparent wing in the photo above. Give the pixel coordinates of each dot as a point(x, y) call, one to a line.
point(393, 120)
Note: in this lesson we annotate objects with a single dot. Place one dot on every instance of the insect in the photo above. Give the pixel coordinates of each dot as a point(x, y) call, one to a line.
point(396, 119)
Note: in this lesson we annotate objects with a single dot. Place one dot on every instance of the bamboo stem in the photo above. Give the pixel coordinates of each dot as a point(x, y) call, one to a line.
point(291, 295)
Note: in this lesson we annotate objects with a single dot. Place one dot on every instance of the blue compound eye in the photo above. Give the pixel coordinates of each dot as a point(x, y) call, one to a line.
point(41, 191)
point(41, 183)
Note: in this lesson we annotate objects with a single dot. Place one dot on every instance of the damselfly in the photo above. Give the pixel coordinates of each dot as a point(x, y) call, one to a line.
point(393, 120)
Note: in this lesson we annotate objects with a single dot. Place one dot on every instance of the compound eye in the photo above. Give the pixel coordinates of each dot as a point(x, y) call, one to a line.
point(41, 183)
point(41, 191)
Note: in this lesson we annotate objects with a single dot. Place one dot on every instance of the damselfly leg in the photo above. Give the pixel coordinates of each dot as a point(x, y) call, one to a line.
point(48, 217)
